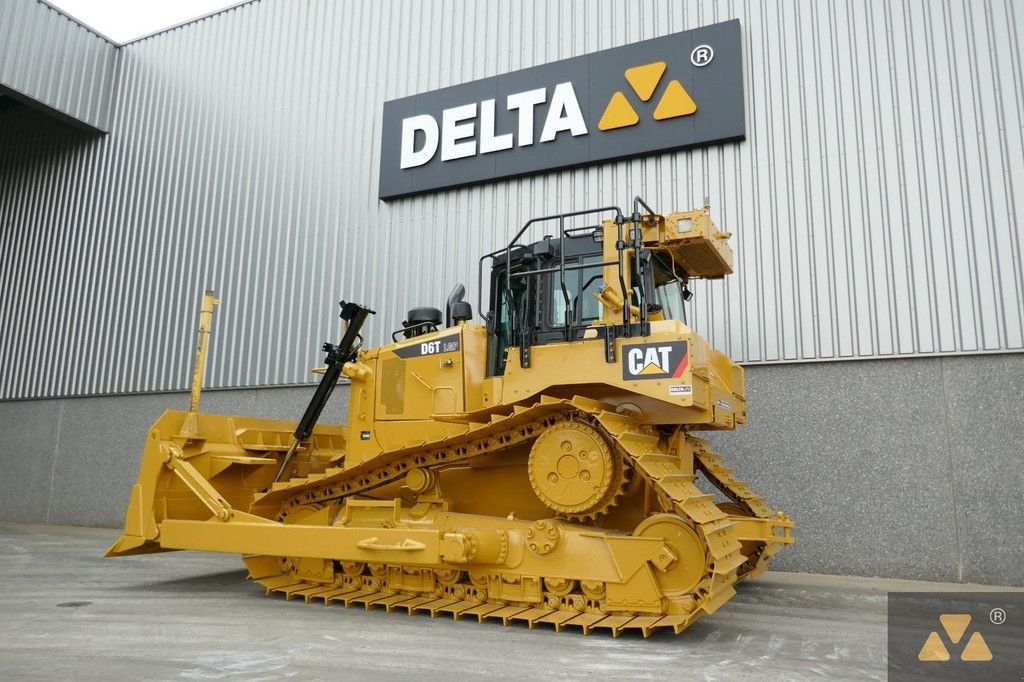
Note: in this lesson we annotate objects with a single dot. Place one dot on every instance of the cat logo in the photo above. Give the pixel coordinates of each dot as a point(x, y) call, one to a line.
point(644, 80)
point(654, 360)
point(955, 625)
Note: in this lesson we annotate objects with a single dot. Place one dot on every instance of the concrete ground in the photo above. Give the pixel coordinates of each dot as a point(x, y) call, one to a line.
point(67, 613)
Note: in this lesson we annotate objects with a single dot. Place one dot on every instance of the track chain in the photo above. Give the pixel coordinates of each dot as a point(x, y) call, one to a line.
point(663, 471)
point(369, 592)
point(723, 478)
point(501, 433)
point(641, 445)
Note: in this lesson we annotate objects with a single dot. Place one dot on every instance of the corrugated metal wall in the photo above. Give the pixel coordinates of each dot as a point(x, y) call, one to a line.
point(874, 203)
point(47, 57)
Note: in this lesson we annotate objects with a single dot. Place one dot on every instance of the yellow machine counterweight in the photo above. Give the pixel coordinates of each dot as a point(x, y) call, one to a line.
point(541, 467)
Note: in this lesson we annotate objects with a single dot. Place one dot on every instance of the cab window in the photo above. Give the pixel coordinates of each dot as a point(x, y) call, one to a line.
point(581, 286)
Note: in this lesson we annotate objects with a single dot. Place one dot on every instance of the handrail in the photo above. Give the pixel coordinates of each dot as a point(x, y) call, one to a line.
point(427, 325)
point(568, 268)
point(635, 242)
point(637, 262)
point(508, 248)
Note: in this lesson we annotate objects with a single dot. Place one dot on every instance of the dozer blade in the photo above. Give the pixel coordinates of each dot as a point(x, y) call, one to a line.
point(212, 473)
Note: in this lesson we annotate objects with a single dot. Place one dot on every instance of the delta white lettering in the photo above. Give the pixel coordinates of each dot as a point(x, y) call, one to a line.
point(453, 129)
point(563, 114)
point(457, 135)
point(524, 102)
point(425, 123)
point(489, 140)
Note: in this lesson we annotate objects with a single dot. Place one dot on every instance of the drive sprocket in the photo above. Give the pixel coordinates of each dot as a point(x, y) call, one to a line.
point(574, 471)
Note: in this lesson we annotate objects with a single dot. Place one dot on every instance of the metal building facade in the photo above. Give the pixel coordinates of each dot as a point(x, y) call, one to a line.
point(874, 203)
point(54, 61)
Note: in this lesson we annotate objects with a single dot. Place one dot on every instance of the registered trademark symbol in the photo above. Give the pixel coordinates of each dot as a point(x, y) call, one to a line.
point(702, 55)
point(997, 616)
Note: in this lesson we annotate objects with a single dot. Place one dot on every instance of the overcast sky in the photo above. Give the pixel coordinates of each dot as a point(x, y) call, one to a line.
point(125, 20)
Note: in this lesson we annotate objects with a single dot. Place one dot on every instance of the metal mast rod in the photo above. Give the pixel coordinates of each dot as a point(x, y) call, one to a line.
point(190, 427)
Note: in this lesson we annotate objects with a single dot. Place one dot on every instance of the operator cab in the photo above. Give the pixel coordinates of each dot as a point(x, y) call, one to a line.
point(548, 291)
point(529, 307)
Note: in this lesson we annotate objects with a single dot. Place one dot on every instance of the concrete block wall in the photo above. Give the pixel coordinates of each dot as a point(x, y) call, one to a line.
point(896, 468)
point(74, 460)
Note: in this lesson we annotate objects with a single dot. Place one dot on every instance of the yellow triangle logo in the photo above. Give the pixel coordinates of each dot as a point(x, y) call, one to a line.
point(955, 625)
point(976, 649)
point(644, 79)
point(933, 649)
point(652, 368)
point(618, 114)
point(675, 102)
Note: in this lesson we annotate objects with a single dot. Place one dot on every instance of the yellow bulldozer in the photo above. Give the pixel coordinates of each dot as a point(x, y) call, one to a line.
point(539, 467)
